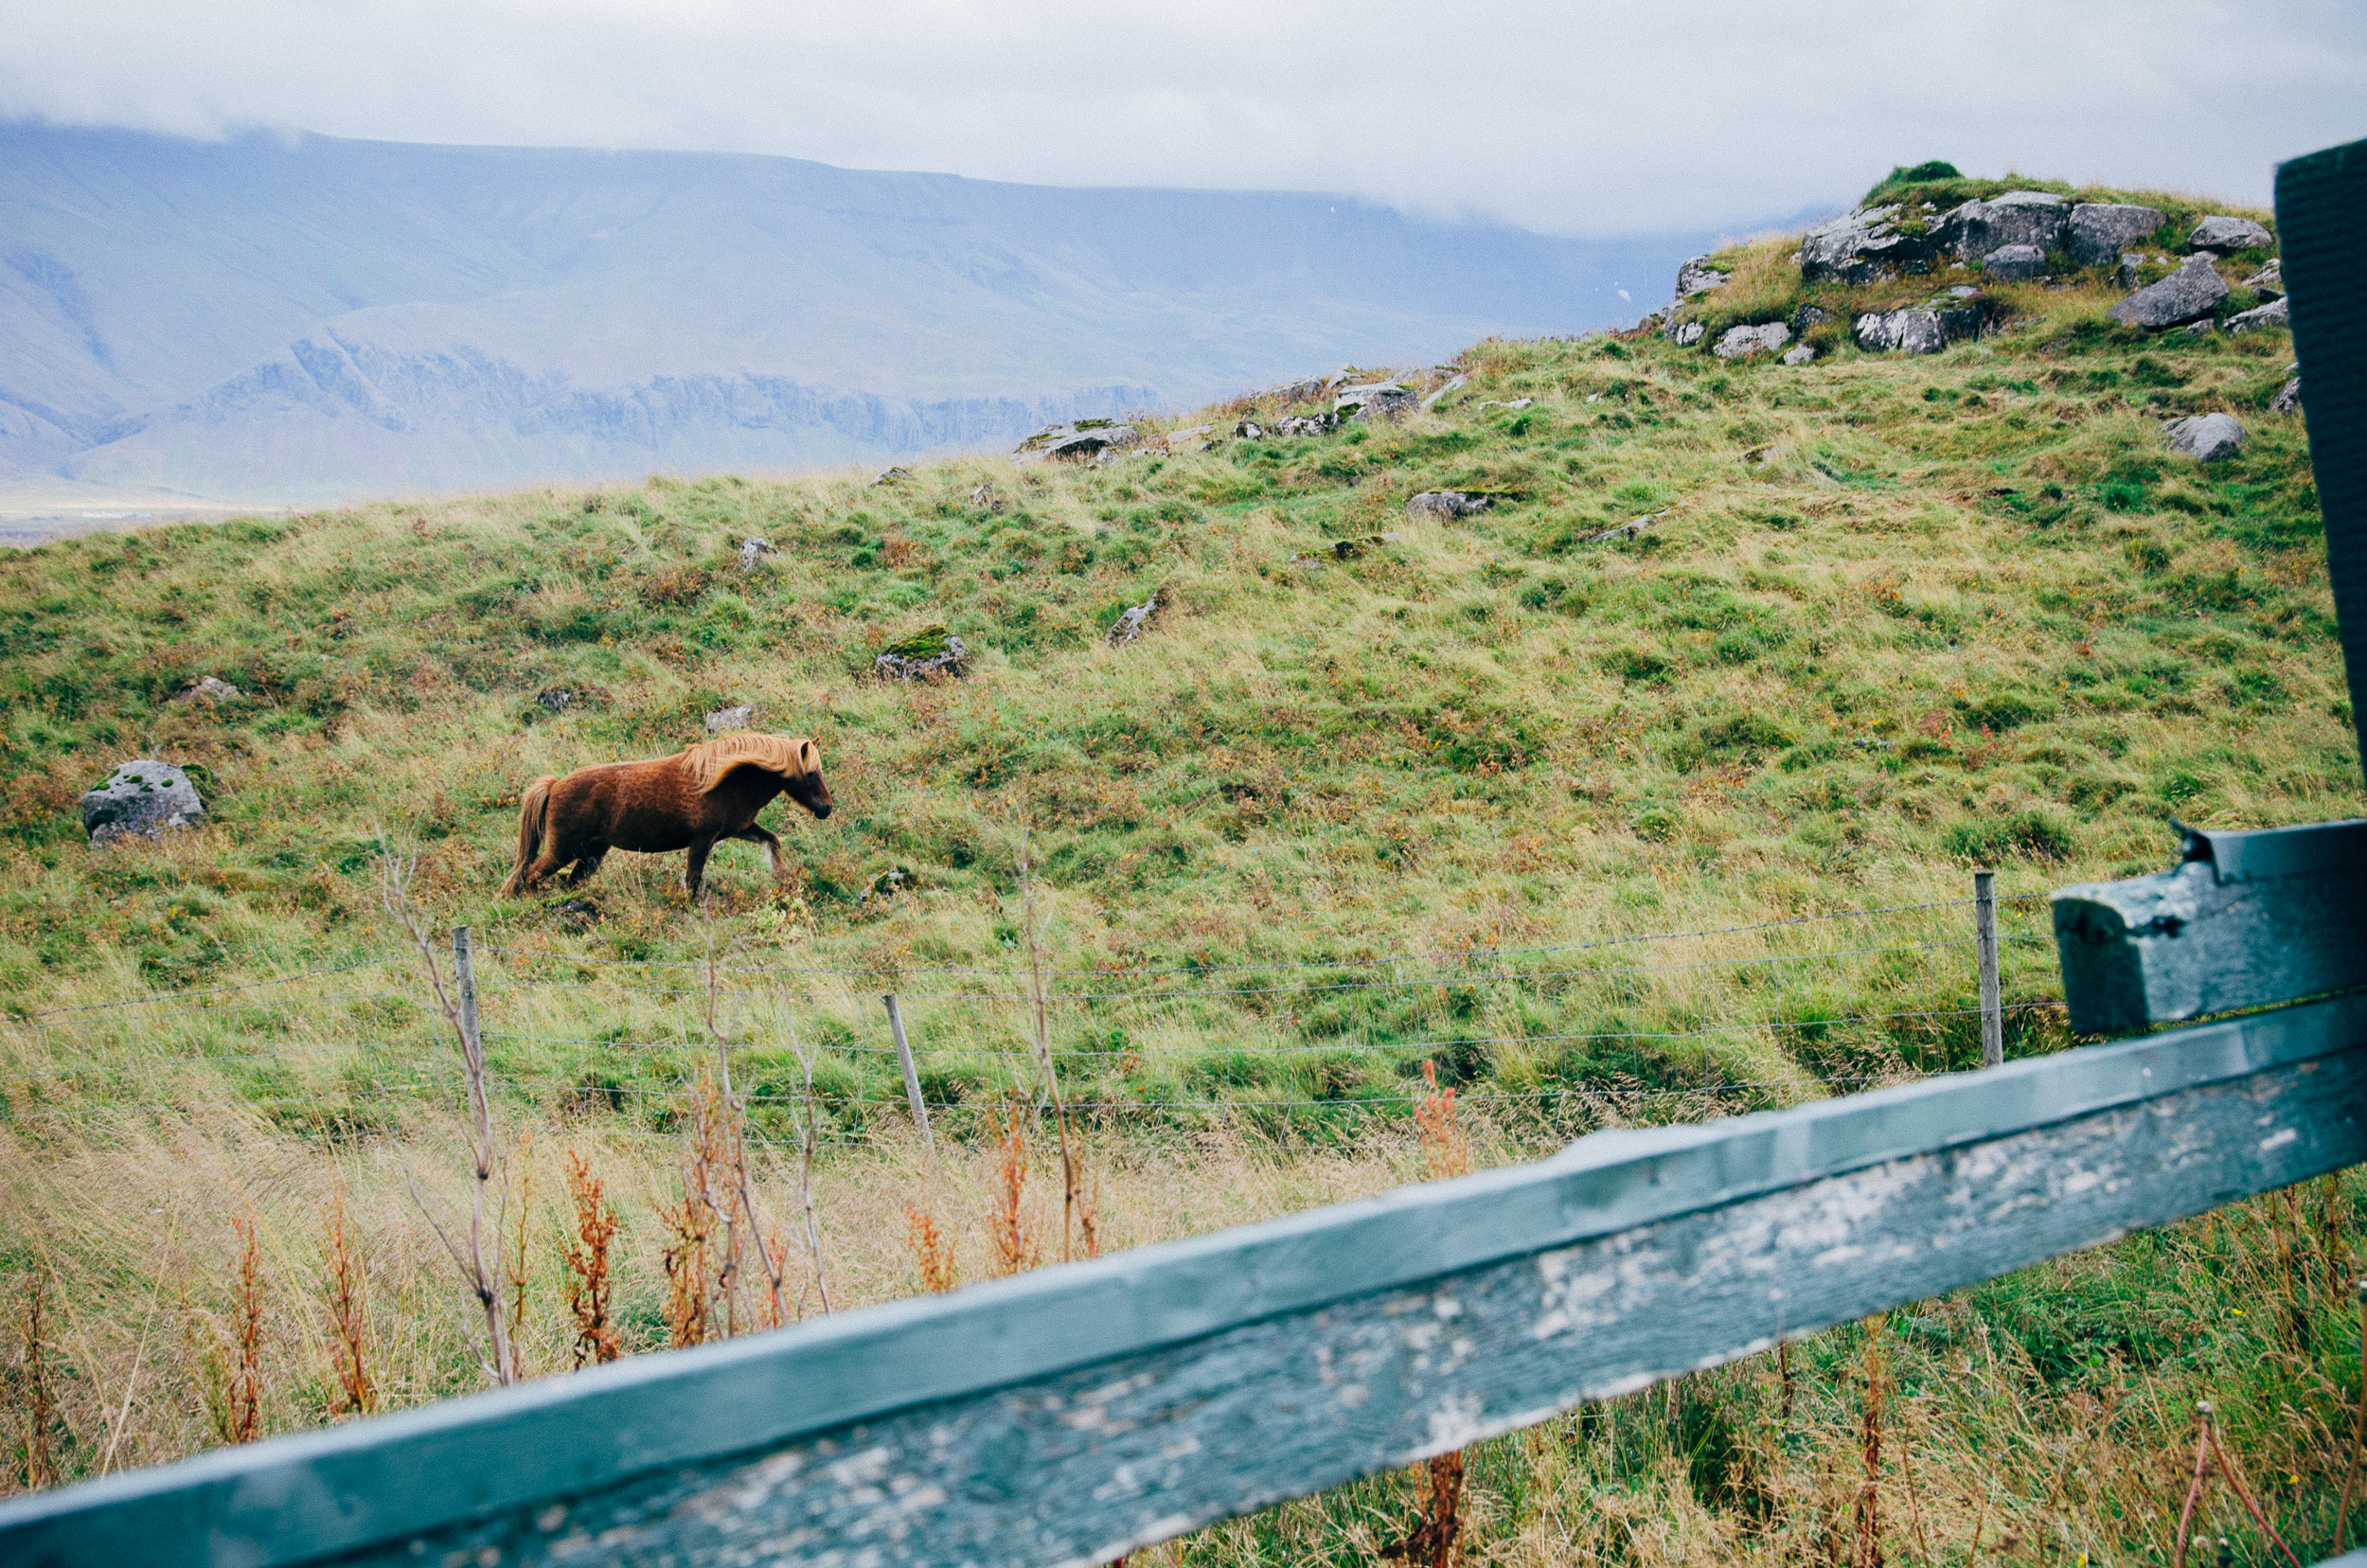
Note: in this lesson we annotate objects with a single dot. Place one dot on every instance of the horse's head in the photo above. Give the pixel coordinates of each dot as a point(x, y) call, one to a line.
point(805, 786)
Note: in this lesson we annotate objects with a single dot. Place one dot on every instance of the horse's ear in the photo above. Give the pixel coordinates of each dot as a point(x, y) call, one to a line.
point(809, 757)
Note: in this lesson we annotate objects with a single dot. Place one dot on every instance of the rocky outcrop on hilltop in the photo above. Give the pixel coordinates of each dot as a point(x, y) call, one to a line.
point(2026, 237)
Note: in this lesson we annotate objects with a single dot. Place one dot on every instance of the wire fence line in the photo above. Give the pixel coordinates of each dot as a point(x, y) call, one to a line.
point(1541, 1043)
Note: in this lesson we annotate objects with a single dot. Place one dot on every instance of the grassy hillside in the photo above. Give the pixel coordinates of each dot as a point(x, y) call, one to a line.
point(1894, 619)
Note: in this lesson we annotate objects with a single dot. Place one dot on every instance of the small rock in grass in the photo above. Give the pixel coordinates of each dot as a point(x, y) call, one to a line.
point(1432, 401)
point(2015, 263)
point(2205, 437)
point(1131, 624)
point(1802, 354)
point(891, 477)
point(1191, 438)
point(554, 699)
point(2276, 315)
point(1447, 503)
point(2268, 282)
point(213, 692)
point(1686, 334)
point(1631, 528)
point(931, 651)
point(742, 717)
point(986, 499)
point(2289, 401)
point(1078, 441)
point(751, 551)
point(2195, 289)
point(1742, 342)
point(2224, 232)
point(2099, 232)
point(143, 797)
point(1809, 316)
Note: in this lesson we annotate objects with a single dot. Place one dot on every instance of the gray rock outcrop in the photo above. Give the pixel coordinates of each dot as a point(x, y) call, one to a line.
point(1447, 505)
point(1386, 399)
point(2195, 289)
point(2014, 263)
point(2205, 437)
point(2289, 399)
point(1742, 342)
point(2276, 315)
point(1698, 276)
point(2099, 232)
point(2224, 232)
point(1686, 333)
point(1081, 441)
point(555, 699)
point(1800, 355)
point(740, 717)
point(1865, 247)
point(2017, 218)
point(1632, 529)
point(2268, 282)
point(143, 797)
point(1453, 384)
point(1809, 316)
point(751, 551)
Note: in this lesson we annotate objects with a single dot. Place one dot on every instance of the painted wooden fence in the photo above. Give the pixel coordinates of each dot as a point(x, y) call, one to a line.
point(1073, 1414)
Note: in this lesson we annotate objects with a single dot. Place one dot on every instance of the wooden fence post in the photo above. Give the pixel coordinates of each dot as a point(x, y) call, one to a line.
point(464, 980)
point(912, 1073)
point(1984, 932)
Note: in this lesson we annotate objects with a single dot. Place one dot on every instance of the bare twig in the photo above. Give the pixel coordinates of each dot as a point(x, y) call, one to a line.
point(1076, 1213)
point(775, 1263)
point(484, 1280)
point(2358, 1430)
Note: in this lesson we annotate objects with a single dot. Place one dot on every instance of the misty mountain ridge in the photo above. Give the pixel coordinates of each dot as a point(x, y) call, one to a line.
point(267, 319)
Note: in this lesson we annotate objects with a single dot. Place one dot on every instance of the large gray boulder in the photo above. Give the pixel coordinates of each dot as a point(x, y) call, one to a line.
point(2277, 314)
point(1742, 342)
point(2017, 218)
point(2014, 263)
point(143, 797)
point(1912, 331)
point(2229, 234)
point(1386, 399)
point(2206, 438)
point(1865, 247)
point(2098, 232)
point(2192, 291)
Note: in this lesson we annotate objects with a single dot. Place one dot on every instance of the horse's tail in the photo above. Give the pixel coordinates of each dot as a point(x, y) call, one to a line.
point(531, 812)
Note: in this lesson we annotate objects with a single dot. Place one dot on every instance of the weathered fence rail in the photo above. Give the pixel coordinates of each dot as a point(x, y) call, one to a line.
point(1070, 1415)
point(1073, 1414)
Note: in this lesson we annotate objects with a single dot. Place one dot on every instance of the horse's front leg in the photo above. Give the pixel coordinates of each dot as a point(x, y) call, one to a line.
point(754, 834)
point(695, 870)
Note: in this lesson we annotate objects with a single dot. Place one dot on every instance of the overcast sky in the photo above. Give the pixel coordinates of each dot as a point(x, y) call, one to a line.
point(1569, 116)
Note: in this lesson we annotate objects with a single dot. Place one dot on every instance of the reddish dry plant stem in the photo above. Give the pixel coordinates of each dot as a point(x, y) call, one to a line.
point(517, 1258)
point(588, 1283)
point(246, 1385)
point(1009, 1245)
point(2235, 1478)
point(773, 1259)
point(1446, 1153)
point(2193, 1493)
point(37, 1399)
point(929, 1250)
point(1870, 1449)
point(349, 1316)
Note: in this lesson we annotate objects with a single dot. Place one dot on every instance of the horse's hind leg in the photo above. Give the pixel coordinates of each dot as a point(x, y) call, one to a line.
point(544, 864)
point(586, 863)
point(754, 834)
point(696, 868)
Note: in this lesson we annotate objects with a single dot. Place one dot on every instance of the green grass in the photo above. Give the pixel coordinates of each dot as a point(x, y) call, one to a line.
point(1899, 617)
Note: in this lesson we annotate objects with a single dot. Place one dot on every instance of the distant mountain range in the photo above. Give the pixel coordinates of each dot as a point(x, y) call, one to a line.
point(309, 319)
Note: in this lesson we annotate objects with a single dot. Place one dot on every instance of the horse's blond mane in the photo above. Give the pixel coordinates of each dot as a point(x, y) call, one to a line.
point(710, 763)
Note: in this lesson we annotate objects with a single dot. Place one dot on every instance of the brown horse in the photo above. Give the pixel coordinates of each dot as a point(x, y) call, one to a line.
point(687, 801)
